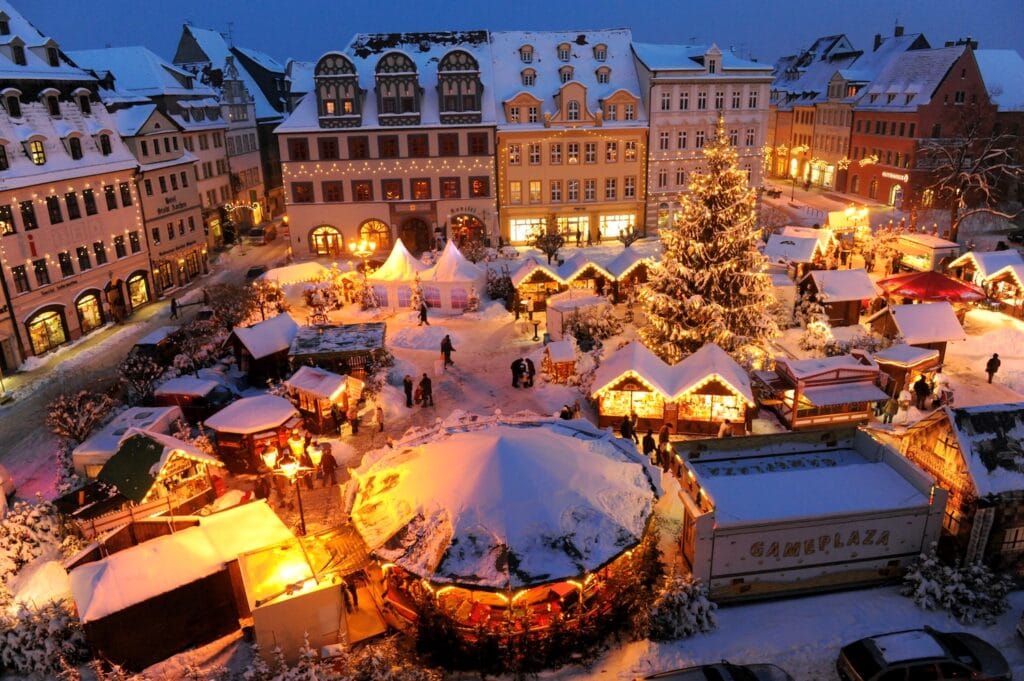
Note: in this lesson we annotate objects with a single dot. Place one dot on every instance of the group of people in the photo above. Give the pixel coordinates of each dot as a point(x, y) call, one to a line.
point(298, 450)
point(568, 413)
point(422, 394)
point(523, 371)
point(922, 393)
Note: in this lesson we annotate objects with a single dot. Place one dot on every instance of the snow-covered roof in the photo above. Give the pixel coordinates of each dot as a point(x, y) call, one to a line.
point(987, 263)
point(929, 240)
point(576, 264)
point(140, 457)
point(160, 565)
point(805, 368)
point(625, 262)
point(835, 286)
point(1003, 74)
point(1014, 272)
point(508, 67)
point(847, 393)
point(186, 385)
point(130, 119)
point(252, 415)
point(908, 80)
point(452, 266)
point(300, 75)
point(990, 437)
point(320, 382)
point(561, 351)
point(340, 338)
point(36, 66)
point(751, 489)
point(106, 440)
point(691, 58)
point(504, 505)
point(401, 265)
point(261, 58)
point(531, 265)
point(786, 248)
point(155, 336)
point(268, 337)
point(925, 322)
point(298, 272)
point(574, 299)
point(138, 70)
point(710, 362)
point(904, 646)
point(905, 355)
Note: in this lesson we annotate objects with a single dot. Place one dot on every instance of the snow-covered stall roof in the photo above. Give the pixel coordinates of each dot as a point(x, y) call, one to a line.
point(576, 264)
point(801, 369)
point(186, 385)
point(1003, 74)
point(845, 219)
point(298, 272)
point(160, 565)
point(531, 265)
point(252, 415)
point(925, 243)
point(990, 437)
point(791, 248)
point(625, 262)
point(140, 457)
point(452, 266)
point(905, 355)
point(925, 322)
point(561, 351)
point(104, 443)
point(633, 360)
point(504, 505)
point(268, 337)
point(1014, 273)
point(574, 299)
point(711, 361)
point(401, 265)
point(836, 286)
point(320, 382)
point(341, 338)
point(157, 335)
point(987, 263)
point(847, 393)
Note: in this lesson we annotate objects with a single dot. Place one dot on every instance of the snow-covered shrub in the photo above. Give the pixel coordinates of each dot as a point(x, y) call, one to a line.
point(76, 416)
point(365, 295)
point(681, 609)
point(376, 369)
point(67, 478)
point(474, 250)
point(41, 640)
point(30, 530)
point(971, 593)
point(591, 325)
point(499, 285)
point(231, 304)
point(138, 375)
point(195, 437)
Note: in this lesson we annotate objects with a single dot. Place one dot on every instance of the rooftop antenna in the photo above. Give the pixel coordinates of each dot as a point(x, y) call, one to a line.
point(231, 37)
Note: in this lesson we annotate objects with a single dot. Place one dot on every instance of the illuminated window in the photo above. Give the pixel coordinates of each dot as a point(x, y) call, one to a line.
point(36, 152)
point(573, 110)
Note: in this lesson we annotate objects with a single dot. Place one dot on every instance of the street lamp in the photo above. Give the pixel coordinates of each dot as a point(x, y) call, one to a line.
point(290, 469)
point(363, 250)
point(799, 149)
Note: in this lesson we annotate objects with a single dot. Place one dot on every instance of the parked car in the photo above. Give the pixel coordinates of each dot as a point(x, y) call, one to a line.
point(1016, 235)
point(922, 654)
point(255, 271)
point(157, 345)
point(258, 236)
point(724, 671)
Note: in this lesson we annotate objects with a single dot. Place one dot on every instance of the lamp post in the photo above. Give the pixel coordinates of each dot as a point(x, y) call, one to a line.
point(291, 470)
point(363, 250)
point(799, 149)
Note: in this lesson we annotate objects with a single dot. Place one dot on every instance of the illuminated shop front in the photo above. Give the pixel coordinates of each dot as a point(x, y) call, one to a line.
point(138, 290)
point(327, 241)
point(47, 329)
point(90, 312)
point(537, 281)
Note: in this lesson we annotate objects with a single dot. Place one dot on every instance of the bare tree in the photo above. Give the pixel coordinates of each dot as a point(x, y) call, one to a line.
point(971, 168)
point(75, 416)
point(548, 241)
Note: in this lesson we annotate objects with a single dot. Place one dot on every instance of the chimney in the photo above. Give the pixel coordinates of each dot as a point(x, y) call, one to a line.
point(899, 31)
point(878, 41)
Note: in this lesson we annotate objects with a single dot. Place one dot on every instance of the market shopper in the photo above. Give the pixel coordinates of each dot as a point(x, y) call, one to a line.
point(427, 388)
point(922, 391)
point(446, 350)
point(992, 366)
point(407, 386)
point(423, 313)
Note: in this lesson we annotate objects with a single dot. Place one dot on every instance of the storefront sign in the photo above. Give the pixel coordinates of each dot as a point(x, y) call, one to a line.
point(464, 209)
point(171, 204)
point(896, 176)
point(820, 544)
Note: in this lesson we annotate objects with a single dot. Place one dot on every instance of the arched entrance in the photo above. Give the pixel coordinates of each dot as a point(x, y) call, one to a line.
point(895, 195)
point(467, 228)
point(416, 235)
point(325, 240)
point(89, 311)
point(47, 329)
point(114, 293)
point(138, 289)
point(376, 232)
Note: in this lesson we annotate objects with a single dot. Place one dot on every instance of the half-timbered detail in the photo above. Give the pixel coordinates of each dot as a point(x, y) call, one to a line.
point(339, 98)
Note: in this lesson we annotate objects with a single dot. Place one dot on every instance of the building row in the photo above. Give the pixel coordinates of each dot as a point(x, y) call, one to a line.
point(494, 135)
point(867, 122)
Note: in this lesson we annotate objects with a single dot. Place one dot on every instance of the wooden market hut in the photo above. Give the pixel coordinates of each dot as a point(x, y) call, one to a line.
point(89, 457)
point(341, 348)
point(902, 362)
point(694, 396)
point(261, 350)
point(798, 247)
point(978, 267)
point(243, 429)
point(197, 397)
point(316, 391)
point(923, 252)
point(973, 453)
point(1006, 287)
point(559, 361)
point(536, 280)
point(822, 392)
point(926, 325)
point(562, 306)
point(581, 272)
point(630, 270)
point(842, 293)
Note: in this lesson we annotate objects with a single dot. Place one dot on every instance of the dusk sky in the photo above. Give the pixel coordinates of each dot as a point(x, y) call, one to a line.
point(305, 29)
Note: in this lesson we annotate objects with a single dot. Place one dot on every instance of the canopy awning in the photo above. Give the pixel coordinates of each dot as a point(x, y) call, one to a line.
point(931, 286)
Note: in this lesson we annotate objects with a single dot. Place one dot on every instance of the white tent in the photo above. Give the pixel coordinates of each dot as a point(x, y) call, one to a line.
point(452, 281)
point(392, 282)
point(562, 305)
point(293, 274)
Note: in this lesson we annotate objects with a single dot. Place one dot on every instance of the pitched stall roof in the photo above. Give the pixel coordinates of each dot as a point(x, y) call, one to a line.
point(990, 437)
point(987, 263)
point(268, 337)
point(320, 382)
point(905, 355)
point(531, 265)
point(576, 264)
point(791, 248)
point(924, 322)
point(252, 415)
point(339, 338)
point(141, 456)
point(836, 286)
point(627, 261)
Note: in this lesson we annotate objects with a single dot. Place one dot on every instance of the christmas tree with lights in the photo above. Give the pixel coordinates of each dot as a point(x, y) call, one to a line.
point(709, 286)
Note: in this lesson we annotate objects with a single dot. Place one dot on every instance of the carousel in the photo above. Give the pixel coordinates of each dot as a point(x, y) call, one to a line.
point(502, 525)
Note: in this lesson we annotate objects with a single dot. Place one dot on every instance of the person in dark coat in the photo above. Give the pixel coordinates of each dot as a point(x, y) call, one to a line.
point(307, 463)
point(992, 366)
point(174, 308)
point(517, 372)
point(530, 370)
point(649, 446)
point(423, 313)
point(447, 349)
point(626, 428)
point(427, 387)
point(565, 413)
point(329, 470)
point(262, 490)
point(407, 386)
point(921, 392)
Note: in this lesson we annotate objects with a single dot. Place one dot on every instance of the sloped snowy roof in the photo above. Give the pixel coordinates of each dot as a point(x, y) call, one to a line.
point(452, 266)
point(298, 272)
point(320, 382)
point(987, 263)
point(785, 248)
point(504, 506)
point(1014, 272)
point(261, 58)
point(909, 80)
point(268, 337)
point(131, 119)
point(140, 457)
point(531, 265)
point(626, 261)
point(252, 414)
point(561, 351)
point(711, 361)
point(633, 359)
point(804, 368)
point(836, 286)
point(575, 264)
point(243, 528)
point(925, 322)
point(574, 299)
point(340, 338)
point(105, 441)
point(401, 265)
point(905, 355)
point(300, 75)
point(990, 439)
point(186, 385)
point(137, 69)
point(36, 66)
point(691, 58)
point(1003, 74)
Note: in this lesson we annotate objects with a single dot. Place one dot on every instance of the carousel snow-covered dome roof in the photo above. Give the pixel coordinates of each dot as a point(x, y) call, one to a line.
point(504, 505)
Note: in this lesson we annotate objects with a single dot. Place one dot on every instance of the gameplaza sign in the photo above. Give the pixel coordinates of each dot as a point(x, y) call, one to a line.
point(820, 544)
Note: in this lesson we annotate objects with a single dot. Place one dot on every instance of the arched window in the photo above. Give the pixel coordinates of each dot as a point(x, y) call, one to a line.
point(565, 74)
point(90, 311)
point(529, 77)
point(573, 110)
point(377, 232)
point(526, 54)
point(604, 74)
point(325, 240)
point(47, 329)
point(36, 152)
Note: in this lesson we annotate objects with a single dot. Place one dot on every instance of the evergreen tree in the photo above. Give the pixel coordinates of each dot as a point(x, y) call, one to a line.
point(709, 286)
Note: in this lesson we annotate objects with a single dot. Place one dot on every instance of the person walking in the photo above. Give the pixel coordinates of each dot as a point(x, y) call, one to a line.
point(378, 415)
point(725, 430)
point(353, 417)
point(579, 237)
point(663, 434)
point(328, 468)
point(992, 366)
point(577, 412)
point(626, 429)
point(423, 313)
point(447, 350)
point(650, 447)
point(529, 370)
point(892, 405)
point(407, 386)
point(634, 421)
point(517, 372)
point(922, 390)
point(174, 310)
point(427, 388)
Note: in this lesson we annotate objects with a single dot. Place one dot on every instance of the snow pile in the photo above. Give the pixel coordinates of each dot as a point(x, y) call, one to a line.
point(971, 593)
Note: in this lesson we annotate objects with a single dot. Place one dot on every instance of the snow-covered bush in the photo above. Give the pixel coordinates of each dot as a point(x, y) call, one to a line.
point(591, 325)
point(195, 437)
point(67, 478)
point(971, 593)
point(76, 416)
point(138, 375)
point(41, 640)
point(365, 295)
point(30, 530)
point(499, 285)
point(681, 609)
point(474, 250)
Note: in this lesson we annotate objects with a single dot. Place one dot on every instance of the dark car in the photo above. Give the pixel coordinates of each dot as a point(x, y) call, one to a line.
point(922, 654)
point(1016, 235)
point(724, 671)
point(255, 271)
point(158, 345)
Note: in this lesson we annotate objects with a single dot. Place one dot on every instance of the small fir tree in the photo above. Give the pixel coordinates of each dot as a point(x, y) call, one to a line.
point(416, 296)
point(710, 286)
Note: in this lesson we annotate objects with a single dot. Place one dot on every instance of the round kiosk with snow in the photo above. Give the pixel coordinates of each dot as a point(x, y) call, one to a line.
point(493, 528)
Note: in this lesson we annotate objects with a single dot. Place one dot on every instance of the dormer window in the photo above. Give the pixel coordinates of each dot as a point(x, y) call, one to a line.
point(4, 165)
point(529, 77)
point(75, 148)
point(52, 56)
point(84, 105)
point(13, 106)
point(36, 152)
point(712, 65)
point(18, 55)
point(105, 145)
point(604, 74)
point(329, 107)
point(600, 52)
point(565, 74)
point(572, 110)
point(5, 26)
point(526, 54)
point(53, 106)
point(564, 51)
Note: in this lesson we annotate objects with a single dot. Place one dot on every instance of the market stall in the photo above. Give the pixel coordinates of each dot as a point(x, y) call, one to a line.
point(243, 429)
point(317, 391)
point(419, 503)
point(843, 293)
point(694, 396)
point(581, 272)
point(562, 307)
point(299, 272)
point(629, 269)
point(535, 280)
point(978, 267)
point(931, 286)
point(197, 397)
point(798, 247)
point(393, 281)
point(559, 361)
point(924, 252)
point(453, 282)
point(261, 350)
point(926, 325)
point(341, 348)
point(89, 457)
point(902, 363)
point(1006, 287)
